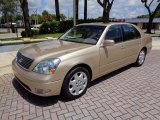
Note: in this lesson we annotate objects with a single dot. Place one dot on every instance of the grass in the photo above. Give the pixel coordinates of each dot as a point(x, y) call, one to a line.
point(3, 32)
point(11, 39)
point(55, 35)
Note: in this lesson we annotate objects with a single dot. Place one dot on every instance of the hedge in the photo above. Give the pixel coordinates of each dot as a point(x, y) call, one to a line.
point(65, 25)
point(49, 27)
point(33, 32)
point(61, 27)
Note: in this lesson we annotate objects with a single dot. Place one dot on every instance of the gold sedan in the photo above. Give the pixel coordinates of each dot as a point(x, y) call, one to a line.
point(82, 54)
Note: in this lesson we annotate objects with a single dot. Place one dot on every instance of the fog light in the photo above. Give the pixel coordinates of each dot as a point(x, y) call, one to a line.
point(42, 91)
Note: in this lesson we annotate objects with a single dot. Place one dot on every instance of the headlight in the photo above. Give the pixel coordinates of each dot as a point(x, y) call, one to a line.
point(47, 66)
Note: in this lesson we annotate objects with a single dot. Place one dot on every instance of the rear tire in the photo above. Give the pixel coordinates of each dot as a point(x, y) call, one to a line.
point(75, 83)
point(141, 58)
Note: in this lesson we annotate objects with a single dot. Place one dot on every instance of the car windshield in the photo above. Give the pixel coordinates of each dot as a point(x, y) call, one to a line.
point(84, 34)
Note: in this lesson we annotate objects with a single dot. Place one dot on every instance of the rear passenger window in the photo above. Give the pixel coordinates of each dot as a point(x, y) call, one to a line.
point(114, 33)
point(130, 32)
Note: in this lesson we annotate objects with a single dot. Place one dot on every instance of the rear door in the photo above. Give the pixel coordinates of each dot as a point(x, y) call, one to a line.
point(132, 41)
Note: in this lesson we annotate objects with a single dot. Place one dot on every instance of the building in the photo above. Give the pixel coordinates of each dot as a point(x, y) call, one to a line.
point(142, 22)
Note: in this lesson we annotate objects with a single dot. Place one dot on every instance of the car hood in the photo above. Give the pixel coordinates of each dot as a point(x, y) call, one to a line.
point(54, 48)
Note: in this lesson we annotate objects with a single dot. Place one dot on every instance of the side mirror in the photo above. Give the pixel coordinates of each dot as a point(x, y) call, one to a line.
point(108, 43)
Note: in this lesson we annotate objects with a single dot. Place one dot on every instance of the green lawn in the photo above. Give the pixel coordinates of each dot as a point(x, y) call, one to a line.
point(55, 35)
point(11, 39)
point(3, 32)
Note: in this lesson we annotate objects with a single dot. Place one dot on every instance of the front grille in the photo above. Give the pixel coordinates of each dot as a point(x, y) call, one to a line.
point(23, 61)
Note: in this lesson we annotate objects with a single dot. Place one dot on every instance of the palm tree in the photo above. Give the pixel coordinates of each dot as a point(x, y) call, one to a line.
point(57, 10)
point(77, 6)
point(85, 9)
point(25, 10)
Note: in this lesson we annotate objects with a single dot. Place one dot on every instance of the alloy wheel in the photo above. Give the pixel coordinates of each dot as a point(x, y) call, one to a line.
point(78, 83)
point(141, 57)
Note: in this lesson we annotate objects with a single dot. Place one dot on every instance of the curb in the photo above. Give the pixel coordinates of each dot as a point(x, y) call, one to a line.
point(155, 35)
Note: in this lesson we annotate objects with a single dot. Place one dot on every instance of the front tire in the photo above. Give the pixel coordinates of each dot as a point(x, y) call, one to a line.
point(141, 58)
point(75, 83)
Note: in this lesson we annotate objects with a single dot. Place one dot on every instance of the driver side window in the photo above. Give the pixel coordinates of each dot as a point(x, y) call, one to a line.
point(114, 33)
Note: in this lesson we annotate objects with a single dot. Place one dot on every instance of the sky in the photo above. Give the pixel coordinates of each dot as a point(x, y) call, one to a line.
point(121, 8)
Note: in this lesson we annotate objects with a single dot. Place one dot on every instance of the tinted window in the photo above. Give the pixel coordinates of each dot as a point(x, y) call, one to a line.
point(138, 35)
point(130, 32)
point(114, 33)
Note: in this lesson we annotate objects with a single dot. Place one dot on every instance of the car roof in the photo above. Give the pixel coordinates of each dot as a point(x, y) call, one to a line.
point(103, 24)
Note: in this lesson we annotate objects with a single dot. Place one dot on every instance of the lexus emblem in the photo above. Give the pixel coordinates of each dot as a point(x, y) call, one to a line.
point(20, 60)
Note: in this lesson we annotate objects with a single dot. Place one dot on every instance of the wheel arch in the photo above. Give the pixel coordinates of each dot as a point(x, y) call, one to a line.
point(144, 48)
point(75, 66)
point(81, 65)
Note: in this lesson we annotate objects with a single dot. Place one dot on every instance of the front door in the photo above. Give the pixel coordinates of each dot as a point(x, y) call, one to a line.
point(112, 57)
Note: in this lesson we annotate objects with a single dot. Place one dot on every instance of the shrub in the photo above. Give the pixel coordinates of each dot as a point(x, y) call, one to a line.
point(35, 32)
point(62, 26)
point(44, 29)
point(23, 34)
point(49, 27)
point(65, 25)
point(54, 26)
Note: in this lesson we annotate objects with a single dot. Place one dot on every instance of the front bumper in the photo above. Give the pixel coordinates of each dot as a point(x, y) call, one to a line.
point(38, 84)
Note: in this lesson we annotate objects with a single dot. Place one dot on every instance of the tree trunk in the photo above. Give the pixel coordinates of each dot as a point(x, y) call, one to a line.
point(85, 9)
point(77, 5)
point(25, 10)
point(149, 25)
point(8, 26)
point(12, 26)
point(151, 15)
point(57, 10)
point(106, 14)
point(106, 17)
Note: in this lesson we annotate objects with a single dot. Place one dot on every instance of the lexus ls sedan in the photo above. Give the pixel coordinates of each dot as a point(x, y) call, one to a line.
point(82, 54)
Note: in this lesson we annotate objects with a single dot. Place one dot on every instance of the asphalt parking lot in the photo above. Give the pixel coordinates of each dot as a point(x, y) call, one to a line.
point(128, 93)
